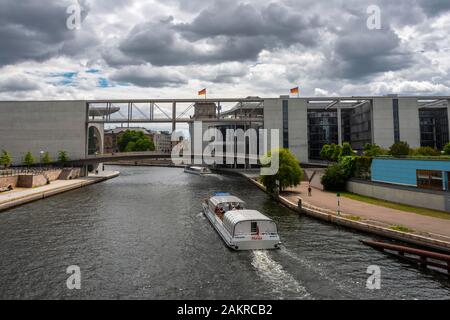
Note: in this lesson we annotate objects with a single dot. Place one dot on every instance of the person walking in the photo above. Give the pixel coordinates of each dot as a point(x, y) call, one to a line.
point(309, 191)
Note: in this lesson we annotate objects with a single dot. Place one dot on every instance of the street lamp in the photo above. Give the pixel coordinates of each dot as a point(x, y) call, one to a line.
point(41, 156)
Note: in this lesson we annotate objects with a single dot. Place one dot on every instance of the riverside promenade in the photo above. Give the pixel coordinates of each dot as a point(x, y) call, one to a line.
point(21, 196)
point(426, 231)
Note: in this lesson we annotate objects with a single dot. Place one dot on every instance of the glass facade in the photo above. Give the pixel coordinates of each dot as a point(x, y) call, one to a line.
point(322, 129)
point(433, 127)
point(360, 126)
point(285, 124)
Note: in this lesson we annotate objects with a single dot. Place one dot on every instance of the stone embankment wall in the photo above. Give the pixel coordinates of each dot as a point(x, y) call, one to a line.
point(37, 180)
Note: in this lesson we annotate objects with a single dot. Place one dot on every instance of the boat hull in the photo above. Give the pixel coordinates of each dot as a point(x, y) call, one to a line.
point(196, 172)
point(265, 242)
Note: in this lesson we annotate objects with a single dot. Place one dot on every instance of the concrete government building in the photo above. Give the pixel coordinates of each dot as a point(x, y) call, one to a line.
point(305, 124)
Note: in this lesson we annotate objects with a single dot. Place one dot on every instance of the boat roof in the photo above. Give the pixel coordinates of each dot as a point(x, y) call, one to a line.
point(224, 199)
point(236, 216)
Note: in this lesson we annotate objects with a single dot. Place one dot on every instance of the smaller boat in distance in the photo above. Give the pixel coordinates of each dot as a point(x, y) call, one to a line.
point(241, 229)
point(197, 170)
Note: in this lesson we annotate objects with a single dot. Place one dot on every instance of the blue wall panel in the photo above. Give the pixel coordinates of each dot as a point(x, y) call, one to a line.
point(403, 171)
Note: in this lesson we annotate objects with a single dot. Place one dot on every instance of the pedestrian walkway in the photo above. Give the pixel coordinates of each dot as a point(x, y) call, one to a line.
point(383, 216)
point(20, 196)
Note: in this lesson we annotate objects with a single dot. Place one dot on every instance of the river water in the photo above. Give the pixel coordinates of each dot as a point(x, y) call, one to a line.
point(142, 236)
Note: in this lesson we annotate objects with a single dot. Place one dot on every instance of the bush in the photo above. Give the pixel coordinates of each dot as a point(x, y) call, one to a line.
point(447, 149)
point(373, 150)
point(362, 167)
point(28, 160)
point(347, 150)
point(326, 152)
point(337, 152)
point(335, 178)
point(426, 151)
point(289, 173)
point(399, 149)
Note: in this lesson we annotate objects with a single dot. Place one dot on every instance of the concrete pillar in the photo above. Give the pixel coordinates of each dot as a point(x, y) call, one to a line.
point(174, 116)
point(339, 124)
point(409, 124)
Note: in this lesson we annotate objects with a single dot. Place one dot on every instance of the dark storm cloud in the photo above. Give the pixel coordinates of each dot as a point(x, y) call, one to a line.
point(435, 7)
point(148, 77)
point(360, 52)
point(225, 32)
point(33, 30)
point(275, 24)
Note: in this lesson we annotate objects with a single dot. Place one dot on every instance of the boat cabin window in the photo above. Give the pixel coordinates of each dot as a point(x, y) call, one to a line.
point(254, 228)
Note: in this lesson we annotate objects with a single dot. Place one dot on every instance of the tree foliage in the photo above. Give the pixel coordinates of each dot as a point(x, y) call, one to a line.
point(5, 159)
point(132, 141)
point(46, 158)
point(374, 150)
point(28, 160)
point(63, 157)
point(347, 150)
point(289, 173)
point(335, 178)
point(399, 149)
point(426, 151)
point(447, 149)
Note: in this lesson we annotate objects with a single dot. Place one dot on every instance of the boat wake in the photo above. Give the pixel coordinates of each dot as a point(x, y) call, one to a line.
point(314, 268)
point(284, 284)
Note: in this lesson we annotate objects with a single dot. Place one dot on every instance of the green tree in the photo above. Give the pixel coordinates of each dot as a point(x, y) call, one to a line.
point(399, 149)
point(62, 157)
point(28, 160)
point(288, 175)
point(330, 152)
point(337, 152)
point(132, 140)
point(447, 149)
point(426, 151)
point(347, 150)
point(5, 159)
point(326, 152)
point(334, 178)
point(372, 150)
point(46, 158)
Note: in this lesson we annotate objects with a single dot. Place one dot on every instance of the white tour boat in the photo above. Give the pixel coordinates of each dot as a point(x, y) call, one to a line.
point(197, 170)
point(241, 229)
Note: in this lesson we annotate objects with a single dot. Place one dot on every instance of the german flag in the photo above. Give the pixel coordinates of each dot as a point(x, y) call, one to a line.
point(295, 90)
point(202, 92)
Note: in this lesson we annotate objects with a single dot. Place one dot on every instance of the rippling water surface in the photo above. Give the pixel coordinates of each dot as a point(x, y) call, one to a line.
point(143, 236)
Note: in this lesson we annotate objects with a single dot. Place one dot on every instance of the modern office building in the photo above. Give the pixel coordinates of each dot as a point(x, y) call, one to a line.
point(304, 124)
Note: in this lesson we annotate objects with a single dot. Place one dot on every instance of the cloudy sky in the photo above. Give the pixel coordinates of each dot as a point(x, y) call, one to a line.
point(173, 48)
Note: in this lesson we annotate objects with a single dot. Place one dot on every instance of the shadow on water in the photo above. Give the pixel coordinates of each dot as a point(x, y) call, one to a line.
point(142, 235)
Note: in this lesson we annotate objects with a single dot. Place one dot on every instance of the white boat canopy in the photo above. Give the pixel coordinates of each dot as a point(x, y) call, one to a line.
point(224, 199)
point(239, 222)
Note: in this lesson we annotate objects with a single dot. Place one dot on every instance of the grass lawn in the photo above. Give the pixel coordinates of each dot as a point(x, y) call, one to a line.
point(398, 206)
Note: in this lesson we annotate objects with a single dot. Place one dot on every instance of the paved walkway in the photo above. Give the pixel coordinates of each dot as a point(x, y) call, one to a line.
point(434, 227)
point(24, 195)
